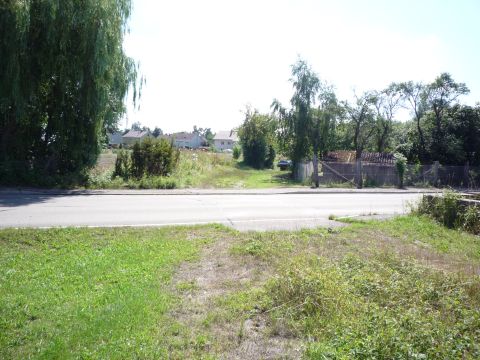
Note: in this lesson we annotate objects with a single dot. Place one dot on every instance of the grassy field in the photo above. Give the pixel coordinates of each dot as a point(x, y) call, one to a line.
point(196, 169)
point(406, 288)
point(89, 293)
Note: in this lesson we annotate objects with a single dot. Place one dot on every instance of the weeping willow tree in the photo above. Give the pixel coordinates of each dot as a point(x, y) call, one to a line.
point(63, 80)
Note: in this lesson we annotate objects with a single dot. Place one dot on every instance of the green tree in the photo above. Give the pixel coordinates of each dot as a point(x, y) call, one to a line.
point(322, 127)
point(296, 123)
point(137, 126)
point(306, 131)
point(157, 132)
point(63, 80)
point(401, 166)
point(386, 104)
point(442, 93)
point(416, 95)
point(362, 124)
point(206, 133)
point(257, 137)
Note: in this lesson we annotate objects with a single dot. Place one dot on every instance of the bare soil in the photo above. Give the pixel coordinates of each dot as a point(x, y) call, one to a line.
point(217, 274)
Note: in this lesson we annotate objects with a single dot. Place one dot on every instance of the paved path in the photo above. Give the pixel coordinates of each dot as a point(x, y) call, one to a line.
point(244, 211)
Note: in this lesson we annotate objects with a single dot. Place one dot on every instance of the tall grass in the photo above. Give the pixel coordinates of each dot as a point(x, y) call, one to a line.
point(449, 211)
point(376, 309)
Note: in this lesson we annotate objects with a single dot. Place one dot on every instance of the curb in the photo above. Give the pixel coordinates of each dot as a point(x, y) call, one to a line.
point(200, 192)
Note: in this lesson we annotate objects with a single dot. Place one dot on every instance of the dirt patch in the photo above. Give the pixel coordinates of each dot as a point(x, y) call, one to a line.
point(216, 275)
point(371, 242)
point(260, 341)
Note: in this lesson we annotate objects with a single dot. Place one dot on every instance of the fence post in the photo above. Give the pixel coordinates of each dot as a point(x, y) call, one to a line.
point(435, 173)
point(358, 173)
point(466, 173)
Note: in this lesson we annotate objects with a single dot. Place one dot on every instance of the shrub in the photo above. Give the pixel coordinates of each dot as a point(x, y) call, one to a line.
point(153, 158)
point(237, 151)
point(401, 166)
point(470, 219)
point(447, 210)
point(270, 159)
point(444, 208)
point(257, 135)
point(155, 182)
point(122, 164)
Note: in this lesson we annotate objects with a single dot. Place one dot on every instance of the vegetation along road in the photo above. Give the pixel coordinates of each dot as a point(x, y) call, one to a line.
point(262, 210)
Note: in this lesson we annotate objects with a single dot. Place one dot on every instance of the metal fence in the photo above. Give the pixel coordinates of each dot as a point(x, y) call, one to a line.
point(386, 174)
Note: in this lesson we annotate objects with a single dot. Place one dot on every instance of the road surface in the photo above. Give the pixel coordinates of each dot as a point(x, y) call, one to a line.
point(241, 211)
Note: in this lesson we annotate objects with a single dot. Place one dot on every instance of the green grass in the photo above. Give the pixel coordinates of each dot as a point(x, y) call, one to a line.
point(382, 307)
point(207, 170)
point(80, 293)
point(371, 290)
point(426, 233)
point(401, 289)
point(196, 169)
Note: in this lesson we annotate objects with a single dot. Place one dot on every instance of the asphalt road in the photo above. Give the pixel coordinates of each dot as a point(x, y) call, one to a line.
point(241, 211)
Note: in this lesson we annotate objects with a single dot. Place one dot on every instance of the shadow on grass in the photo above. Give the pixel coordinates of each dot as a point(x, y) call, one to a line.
point(242, 166)
point(284, 179)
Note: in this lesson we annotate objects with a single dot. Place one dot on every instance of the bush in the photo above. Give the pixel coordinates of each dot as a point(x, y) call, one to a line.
point(401, 166)
point(150, 157)
point(122, 164)
point(237, 151)
point(270, 159)
point(444, 208)
point(153, 182)
point(448, 211)
point(257, 135)
point(470, 220)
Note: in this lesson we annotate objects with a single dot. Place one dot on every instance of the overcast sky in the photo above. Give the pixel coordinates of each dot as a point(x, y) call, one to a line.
point(204, 61)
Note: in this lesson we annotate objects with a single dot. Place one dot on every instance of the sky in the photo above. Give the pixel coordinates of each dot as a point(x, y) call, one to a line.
point(206, 61)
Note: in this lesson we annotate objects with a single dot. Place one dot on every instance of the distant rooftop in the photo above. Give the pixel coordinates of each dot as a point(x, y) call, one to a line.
point(136, 134)
point(226, 135)
point(185, 136)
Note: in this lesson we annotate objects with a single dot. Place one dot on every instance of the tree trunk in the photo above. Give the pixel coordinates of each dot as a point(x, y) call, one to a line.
point(315, 171)
point(436, 165)
point(466, 175)
point(422, 140)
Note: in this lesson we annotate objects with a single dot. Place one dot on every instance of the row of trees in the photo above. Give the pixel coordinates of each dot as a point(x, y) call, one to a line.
point(63, 80)
point(441, 128)
point(204, 132)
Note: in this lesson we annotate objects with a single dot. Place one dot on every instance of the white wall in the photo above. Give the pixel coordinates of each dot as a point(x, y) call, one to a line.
point(224, 144)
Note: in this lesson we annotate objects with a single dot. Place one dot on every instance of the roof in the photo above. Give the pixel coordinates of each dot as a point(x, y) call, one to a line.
point(226, 135)
point(184, 136)
point(181, 136)
point(367, 157)
point(136, 134)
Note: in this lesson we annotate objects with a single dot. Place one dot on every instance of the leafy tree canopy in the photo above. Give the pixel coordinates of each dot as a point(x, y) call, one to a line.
point(63, 80)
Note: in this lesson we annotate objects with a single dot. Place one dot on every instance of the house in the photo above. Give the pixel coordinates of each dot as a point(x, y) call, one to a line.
point(224, 140)
point(185, 140)
point(133, 136)
point(115, 139)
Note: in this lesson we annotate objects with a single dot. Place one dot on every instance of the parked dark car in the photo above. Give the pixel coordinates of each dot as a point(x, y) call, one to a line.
point(284, 164)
